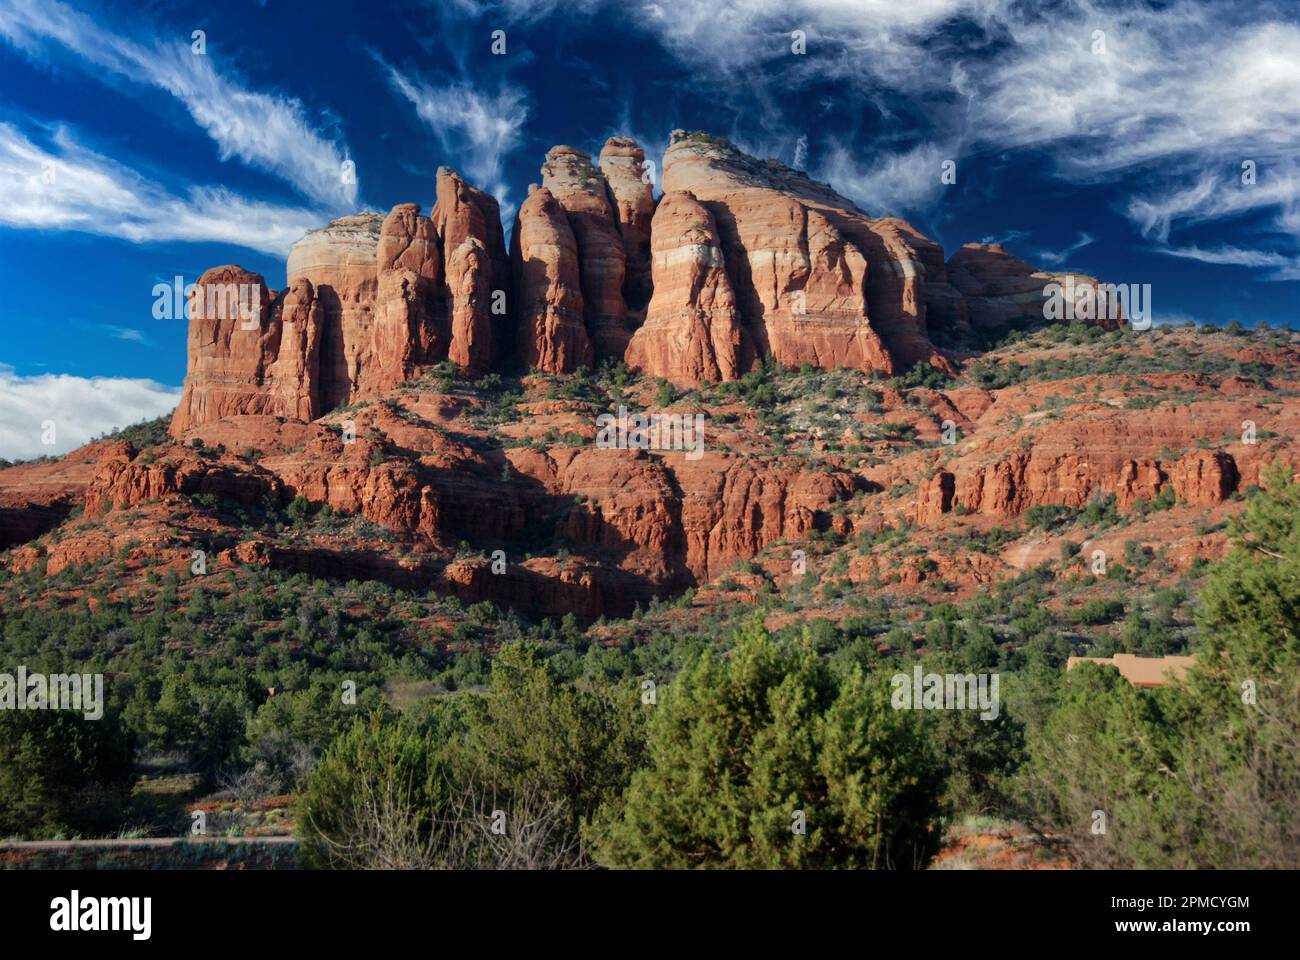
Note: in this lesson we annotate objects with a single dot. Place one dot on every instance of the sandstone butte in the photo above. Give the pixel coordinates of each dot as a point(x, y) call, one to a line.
point(737, 260)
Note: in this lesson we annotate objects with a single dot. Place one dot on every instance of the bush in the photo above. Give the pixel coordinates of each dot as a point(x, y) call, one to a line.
point(1044, 516)
point(740, 747)
point(1097, 611)
point(299, 510)
point(1203, 774)
point(377, 799)
point(60, 773)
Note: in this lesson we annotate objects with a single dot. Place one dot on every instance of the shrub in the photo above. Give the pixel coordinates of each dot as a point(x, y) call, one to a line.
point(1044, 516)
point(1203, 774)
point(1100, 611)
point(377, 799)
point(60, 773)
point(739, 747)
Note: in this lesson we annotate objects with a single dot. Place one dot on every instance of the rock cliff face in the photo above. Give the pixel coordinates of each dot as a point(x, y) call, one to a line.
point(422, 490)
point(622, 161)
point(236, 348)
point(548, 290)
point(468, 222)
point(999, 292)
point(1127, 455)
point(410, 326)
point(817, 281)
point(742, 259)
point(692, 333)
point(370, 301)
point(340, 261)
point(739, 259)
point(584, 194)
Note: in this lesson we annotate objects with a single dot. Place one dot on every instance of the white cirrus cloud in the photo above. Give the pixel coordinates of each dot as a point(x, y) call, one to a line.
point(1280, 266)
point(1053, 257)
point(271, 132)
point(129, 334)
point(1173, 100)
point(81, 409)
point(478, 130)
point(1212, 196)
point(70, 187)
point(882, 35)
point(1163, 105)
point(885, 184)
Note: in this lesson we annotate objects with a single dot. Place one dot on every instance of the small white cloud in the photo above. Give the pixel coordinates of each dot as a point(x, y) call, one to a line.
point(80, 408)
point(1053, 258)
point(1010, 236)
point(124, 333)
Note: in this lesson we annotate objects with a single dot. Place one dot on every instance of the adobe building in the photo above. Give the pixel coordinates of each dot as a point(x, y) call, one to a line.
point(1142, 671)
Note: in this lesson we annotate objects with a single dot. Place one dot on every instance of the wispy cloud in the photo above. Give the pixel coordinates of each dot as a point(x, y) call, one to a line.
point(1217, 196)
point(271, 132)
point(81, 408)
point(1009, 236)
point(726, 37)
point(1173, 100)
point(70, 187)
point(889, 183)
point(1281, 266)
point(476, 129)
point(1052, 257)
point(1162, 102)
point(128, 334)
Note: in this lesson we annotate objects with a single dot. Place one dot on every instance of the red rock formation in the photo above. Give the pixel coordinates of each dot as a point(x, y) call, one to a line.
point(692, 332)
point(1204, 477)
point(583, 193)
point(935, 497)
point(470, 278)
point(234, 343)
point(733, 513)
point(463, 217)
point(36, 497)
point(1095, 453)
point(407, 241)
point(340, 260)
point(548, 294)
point(812, 280)
point(369, 301)
point(408, 328)
point(118, 485)
point(816, 280)
point(675, 520)
point(998, 291)
point(295, 373)
point(392, 493)
point(622, 161)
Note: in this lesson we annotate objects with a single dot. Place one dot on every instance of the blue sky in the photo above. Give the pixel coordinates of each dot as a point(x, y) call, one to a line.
point(1107, 137)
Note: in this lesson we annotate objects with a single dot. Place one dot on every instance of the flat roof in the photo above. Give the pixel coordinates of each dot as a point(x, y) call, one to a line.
point(1142, 671)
